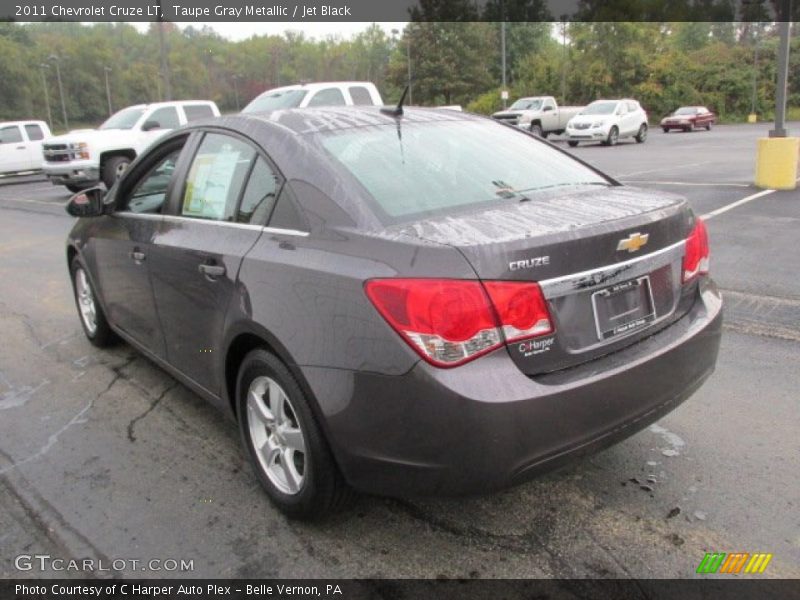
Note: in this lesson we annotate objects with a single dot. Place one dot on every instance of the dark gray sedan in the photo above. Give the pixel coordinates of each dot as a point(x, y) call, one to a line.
point(427, 303)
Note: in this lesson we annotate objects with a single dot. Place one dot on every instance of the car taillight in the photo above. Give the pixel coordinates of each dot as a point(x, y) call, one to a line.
point(695, 261)
point(450, 321)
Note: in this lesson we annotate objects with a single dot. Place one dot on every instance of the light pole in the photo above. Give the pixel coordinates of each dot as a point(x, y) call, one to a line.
point(755, 72)
point(55, 59)
point(236, 89)
point(107, 70)
point(783, 78)
point(47, 96)
point(503, 52)
point(564, 59)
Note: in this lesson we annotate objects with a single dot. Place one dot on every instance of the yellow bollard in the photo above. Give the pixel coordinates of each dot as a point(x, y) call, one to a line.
point(752, 118)
point(776, 163)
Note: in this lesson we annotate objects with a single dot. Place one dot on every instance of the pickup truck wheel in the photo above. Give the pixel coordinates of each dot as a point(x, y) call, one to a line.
point(642, 135)
point(572, 143)
point(113, 168)
point(536, 130)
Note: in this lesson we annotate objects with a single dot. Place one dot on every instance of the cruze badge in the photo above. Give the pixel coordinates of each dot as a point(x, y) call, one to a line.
point(529, 263)
point(633, 242)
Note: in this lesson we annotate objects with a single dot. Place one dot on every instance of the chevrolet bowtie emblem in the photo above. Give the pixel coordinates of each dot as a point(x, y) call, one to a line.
point(633, 242)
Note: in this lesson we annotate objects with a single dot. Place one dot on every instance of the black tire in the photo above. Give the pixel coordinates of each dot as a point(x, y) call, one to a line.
point(536, 130)
point(572, 143)
point(641, 136)
point(613, 137)
point(103, 335)
point(113, 168)
point(323, 489)
point(666, 129)
point(708, 127)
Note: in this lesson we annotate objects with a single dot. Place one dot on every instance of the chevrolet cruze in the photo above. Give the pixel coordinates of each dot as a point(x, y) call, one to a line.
point(406, 303)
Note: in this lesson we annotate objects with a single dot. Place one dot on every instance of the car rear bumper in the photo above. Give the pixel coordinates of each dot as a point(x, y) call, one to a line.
point(486, 425)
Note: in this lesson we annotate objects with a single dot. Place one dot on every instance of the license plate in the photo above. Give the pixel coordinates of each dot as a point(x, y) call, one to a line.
point(623, 308)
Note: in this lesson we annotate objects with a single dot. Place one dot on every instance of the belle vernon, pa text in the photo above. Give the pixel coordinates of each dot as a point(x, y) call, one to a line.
point(155, 591)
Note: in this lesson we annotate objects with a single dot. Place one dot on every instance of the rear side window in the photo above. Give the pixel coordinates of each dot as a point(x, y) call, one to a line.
point(34, 132)
point(167, 117)
point(259, 195)
point(360, 96)
point(197, 111)
point(328, 97)
point(216, 178)
point(436, 167)
point(633, 107)
point(10, 135)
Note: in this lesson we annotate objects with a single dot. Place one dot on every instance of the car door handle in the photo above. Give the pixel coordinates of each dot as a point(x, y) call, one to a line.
point(137, 256)
point(212, 271)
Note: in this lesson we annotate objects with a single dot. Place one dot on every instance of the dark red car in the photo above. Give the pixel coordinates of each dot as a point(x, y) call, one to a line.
point(688, 118)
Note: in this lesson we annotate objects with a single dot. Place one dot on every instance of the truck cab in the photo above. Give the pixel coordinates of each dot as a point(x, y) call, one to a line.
point(21, 145)
point(541, 115)
point(84, 157)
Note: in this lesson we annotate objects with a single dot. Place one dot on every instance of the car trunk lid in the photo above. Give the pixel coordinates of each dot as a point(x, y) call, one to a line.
point(608, 261)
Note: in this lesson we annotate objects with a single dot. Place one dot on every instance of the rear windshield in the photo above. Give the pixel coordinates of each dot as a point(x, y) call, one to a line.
point(269, 101)
point(435, 167)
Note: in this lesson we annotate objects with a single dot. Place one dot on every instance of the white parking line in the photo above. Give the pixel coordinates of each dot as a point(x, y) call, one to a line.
point(686, 183)
point(732, 205)
point(669, 168)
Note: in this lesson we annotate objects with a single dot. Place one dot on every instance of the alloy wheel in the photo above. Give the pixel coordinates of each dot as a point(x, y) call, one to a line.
point(276, 435)
point(86, 302)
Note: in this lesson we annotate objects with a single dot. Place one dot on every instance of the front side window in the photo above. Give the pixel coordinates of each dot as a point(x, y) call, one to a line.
point(166, 118)
point(10, 135)
point(150, 192)
point(526, 104)
point(216, 178)
point(34, 132)
point(124, 119)
point(328, 97)
point(435, 167)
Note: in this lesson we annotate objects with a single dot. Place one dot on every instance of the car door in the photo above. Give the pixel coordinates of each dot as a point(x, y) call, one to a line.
point(35, 135)
point(124, 242)
point(549, 115)
point(216, 216)
point(13, 149)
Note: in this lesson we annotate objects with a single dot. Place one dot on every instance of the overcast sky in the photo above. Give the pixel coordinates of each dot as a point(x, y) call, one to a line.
point(321, 30)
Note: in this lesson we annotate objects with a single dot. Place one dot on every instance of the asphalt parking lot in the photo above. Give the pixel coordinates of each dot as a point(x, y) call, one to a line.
point(103, 455)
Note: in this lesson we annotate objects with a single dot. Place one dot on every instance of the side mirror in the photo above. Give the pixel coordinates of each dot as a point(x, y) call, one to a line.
point(88, 203)
point(547, 108)
point(150, 125)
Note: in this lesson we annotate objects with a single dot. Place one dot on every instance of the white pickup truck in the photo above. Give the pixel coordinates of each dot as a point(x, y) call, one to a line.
point(81, 158)
point(21, 145)
point(541, 115)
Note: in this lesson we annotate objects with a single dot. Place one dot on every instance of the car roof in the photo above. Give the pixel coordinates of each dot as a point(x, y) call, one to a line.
point(334, 118)
point(27, 122)
point(318, 85)
point(171, 103)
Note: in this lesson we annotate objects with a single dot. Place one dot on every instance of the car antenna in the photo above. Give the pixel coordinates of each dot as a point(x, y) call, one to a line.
point(397, 111)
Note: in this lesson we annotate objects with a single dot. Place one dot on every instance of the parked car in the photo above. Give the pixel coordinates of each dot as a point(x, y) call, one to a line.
point(608, 121)
point(426, 303)
point(81, 158)
point(687, 118)
point(21, 145)
point(309, 95)
point(541, 115)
